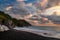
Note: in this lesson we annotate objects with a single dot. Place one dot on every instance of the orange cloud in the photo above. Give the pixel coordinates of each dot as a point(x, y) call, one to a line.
point(43, 3)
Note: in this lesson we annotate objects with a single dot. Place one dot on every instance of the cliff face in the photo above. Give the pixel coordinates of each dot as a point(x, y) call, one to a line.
point(7, 20)
point(21, 23)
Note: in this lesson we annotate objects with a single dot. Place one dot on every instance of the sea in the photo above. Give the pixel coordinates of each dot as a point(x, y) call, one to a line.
point(47, 31)
point(49, 28)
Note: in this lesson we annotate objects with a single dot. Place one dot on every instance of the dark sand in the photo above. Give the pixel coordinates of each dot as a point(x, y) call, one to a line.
point(21, 35)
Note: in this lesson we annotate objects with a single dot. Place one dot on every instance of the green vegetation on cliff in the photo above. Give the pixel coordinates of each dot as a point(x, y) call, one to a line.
point(5, 19)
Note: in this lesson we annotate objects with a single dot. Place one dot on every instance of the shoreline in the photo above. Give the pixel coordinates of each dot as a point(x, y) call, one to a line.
point(54, 25)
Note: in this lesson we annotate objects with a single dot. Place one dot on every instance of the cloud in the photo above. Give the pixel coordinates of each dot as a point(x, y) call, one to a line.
point(20, 10)
point(29, 4)
point(44, 2)
point(8, 8)
point(41, 4)
point(21, 0)
point(53, 2)
point(17, 16)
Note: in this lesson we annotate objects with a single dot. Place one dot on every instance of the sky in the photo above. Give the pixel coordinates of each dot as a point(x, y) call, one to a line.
point(28, 8)
point(25, 4)
point(17, 6)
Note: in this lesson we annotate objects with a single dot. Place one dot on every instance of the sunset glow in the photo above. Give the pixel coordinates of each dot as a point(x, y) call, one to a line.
point(51, 10)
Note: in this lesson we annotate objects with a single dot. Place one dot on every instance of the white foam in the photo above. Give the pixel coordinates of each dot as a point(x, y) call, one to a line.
point(45, 33)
